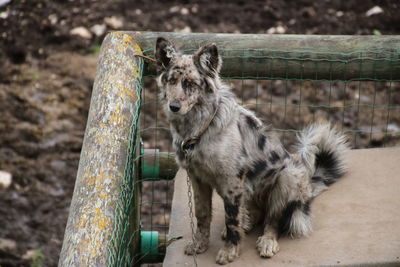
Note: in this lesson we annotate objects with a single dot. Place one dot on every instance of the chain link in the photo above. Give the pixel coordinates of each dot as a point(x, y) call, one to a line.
point(190, 204)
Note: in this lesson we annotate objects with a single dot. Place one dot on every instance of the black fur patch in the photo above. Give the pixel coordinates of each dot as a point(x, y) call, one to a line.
point(232, 209)
point(274, 157)
point(328, 161)
point(251, 122)
point(286, 217)
point(261, 142)
point(232, 236)
point(270, 173)
point(240, 173)
point(307, 208)
point(258, 167)
point(185, 85)
point(231, 219)
point(286, 155)
point(320, 179)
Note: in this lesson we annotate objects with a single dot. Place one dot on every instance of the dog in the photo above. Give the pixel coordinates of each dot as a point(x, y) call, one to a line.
point(225, 147)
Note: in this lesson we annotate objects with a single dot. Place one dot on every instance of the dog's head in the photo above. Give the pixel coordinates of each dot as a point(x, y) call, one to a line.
point(186, 80)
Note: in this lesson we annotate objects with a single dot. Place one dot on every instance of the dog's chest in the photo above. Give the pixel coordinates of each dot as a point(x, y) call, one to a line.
point(200, 164)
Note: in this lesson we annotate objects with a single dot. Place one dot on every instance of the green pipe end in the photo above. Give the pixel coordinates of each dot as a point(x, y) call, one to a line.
point(151, 168)
point(150, 247)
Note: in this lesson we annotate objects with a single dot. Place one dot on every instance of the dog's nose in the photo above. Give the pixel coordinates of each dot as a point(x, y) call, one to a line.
point(174, 107)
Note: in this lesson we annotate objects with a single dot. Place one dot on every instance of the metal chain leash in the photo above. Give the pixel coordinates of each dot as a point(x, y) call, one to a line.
point(190, 204)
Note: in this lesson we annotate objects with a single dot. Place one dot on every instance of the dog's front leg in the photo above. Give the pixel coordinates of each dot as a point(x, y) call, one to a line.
point(202, 201)
point(267, 244)
point(233, 219)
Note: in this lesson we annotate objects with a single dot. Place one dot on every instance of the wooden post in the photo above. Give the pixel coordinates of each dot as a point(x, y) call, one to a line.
point(91, 231)
point(331, 57)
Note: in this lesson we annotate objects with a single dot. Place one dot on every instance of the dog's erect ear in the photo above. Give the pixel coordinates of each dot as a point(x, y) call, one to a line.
point(207, 60)
point(165, 52)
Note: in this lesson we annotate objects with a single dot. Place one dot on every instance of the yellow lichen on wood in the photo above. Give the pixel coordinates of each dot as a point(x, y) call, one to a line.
point(94, 207)
point(135, 71)
point(115, 118)
point(137, 49)
point(128, 92)
point(100, 221)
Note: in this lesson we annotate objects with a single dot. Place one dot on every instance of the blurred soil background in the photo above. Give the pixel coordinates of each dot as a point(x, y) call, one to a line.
point(48, 54)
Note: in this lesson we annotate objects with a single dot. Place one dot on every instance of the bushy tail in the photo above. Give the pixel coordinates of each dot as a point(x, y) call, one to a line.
point(321, 148)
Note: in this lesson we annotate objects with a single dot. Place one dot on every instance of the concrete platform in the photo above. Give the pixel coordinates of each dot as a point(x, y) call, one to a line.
point(356, 221)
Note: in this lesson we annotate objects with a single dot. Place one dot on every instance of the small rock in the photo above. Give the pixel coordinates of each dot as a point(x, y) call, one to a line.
point(98, 29)
point(374, 11)
point(114, 22)
point(376, 32)
point(30, 254)
point(174, 9)
point(339, 14)
point(5, 179)
point(195, 8)
point(184, 11)
point(187, 29)
point(278, 29)
point(53, 19)
point(4, 15)
point(81, 32)
point(7, 244)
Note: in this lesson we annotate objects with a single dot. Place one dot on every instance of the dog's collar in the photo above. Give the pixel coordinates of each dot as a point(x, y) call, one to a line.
point(187, 145)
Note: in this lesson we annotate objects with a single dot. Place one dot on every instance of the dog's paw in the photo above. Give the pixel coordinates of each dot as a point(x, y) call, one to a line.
point(227, 254)
point(223, 233)
point(197, 248)
point(267, 246)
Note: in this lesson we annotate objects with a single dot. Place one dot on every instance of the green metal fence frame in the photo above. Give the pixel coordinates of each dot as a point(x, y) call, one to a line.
point(104, 221)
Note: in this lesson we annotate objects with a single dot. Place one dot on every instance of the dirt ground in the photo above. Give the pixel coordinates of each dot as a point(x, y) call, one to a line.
point(46, 75)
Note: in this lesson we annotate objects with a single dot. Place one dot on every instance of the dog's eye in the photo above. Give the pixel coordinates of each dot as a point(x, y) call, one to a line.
point(172, 80)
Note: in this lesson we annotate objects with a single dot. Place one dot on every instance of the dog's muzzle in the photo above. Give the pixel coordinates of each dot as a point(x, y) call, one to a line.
point(174, 107)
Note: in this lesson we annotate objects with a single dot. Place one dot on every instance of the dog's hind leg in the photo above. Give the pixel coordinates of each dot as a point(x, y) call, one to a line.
point(202, 201)
point(267, 244)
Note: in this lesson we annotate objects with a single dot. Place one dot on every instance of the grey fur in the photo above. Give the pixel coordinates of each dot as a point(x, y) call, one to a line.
point(259, 181)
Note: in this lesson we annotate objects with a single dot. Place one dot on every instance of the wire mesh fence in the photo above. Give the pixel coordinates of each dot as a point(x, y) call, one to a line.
point(366, 107)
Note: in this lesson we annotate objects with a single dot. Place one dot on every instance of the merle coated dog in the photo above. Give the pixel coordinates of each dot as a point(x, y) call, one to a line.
point(225, 147)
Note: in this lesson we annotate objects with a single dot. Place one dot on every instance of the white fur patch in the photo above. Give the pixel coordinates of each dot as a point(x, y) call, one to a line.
point(300, 224)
